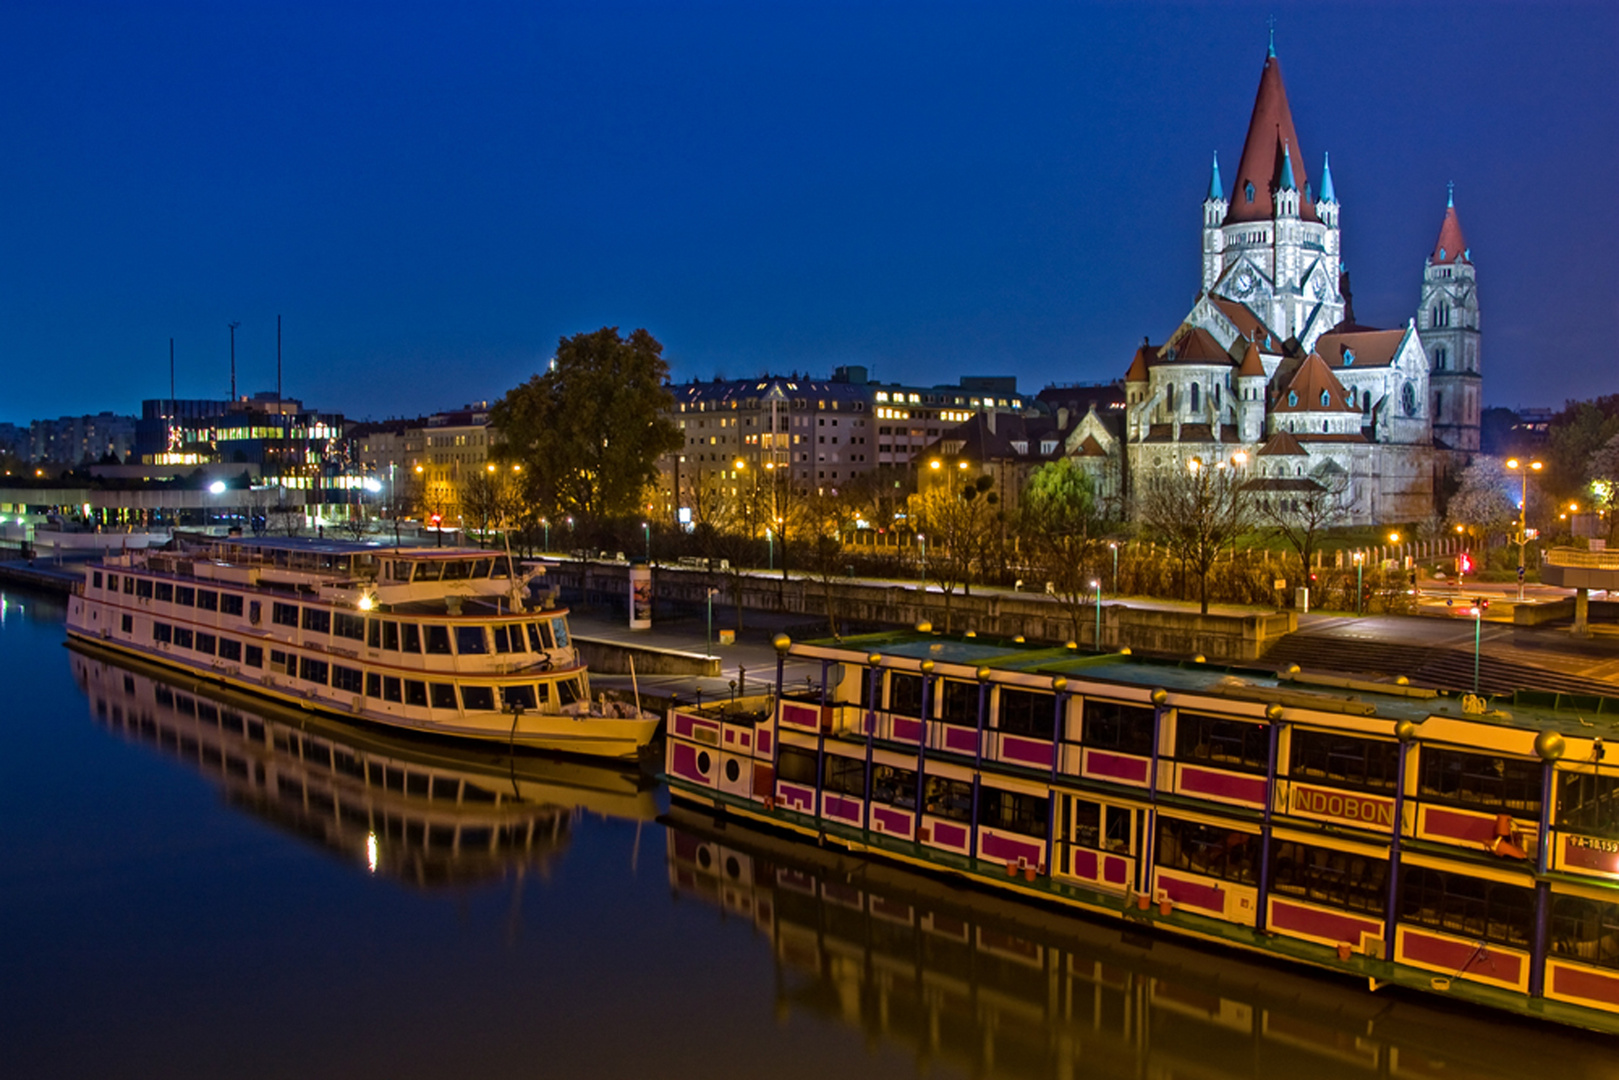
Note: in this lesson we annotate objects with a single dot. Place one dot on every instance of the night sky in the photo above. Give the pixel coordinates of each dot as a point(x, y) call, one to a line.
point(432, 194)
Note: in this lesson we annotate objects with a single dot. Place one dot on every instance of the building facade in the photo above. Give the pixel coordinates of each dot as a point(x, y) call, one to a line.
point(1270, 369)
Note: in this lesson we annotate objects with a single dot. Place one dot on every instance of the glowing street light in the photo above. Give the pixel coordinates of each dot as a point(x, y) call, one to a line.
point(1360, 563)
point(1523, 468)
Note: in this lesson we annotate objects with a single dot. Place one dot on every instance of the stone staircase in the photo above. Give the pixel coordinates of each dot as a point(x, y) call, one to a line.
point(1425, 665)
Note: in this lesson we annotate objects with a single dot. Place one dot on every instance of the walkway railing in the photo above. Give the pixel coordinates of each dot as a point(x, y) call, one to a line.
point(1585, 560)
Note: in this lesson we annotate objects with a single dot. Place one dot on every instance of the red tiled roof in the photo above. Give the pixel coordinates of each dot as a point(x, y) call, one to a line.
point(1282, 444)
point(1091, 448)
point(1451, 245)
point(1372, 348)
point(1269, 129)
point(1138, 366)
point(1246, 322)
point(1251, 363)
point(1310, 383)
point(1194, 345)
point(1356, 437)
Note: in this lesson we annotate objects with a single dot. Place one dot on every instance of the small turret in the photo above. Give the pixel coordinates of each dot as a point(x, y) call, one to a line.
point(1287, 188)
point(1214, 204)
point(1326, 207)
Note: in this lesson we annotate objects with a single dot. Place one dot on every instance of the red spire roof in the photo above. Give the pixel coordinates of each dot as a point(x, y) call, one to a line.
point(1251, 363)
point(1314, 388)
point(1452, 245)
point(1138, 366)
point(1269, 130)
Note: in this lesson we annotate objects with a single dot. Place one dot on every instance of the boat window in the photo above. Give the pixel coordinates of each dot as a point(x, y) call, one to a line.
point(1345, 760)
point(399, 570)
point(1486, 781)
point(373, 684)
point(517, 697)
point(438, 639)
point(1013, 810)
point(1221, 742)
point(544, 690)
point(349, 626)
point(255, 656)
point(162, 632)
point(1586, 930)
point(1104, 828)
point(1488, 911)
point(471, 641)
point(796, 766)
point(165, 592)
point(442, 695)
point(185, 594)
point(317, 620)
point(1211, 850)
point(206, 643)
point(1589, 804)
point(509, 638)
point(559, 629)
point(429, 571)
point(374, 635)
point(845, 775)
point(284, 614)
point(477, 697)
point(411, 638)
point(129, 585)
point(457, 569)
point(539, 636)
point(1340, 879)
point(143, 588)
point(415, 692)
point(347, 678)
point(390, 635)
point(950, 799)
point(480, 569)
point(1115, 725)
point(96, 581)
point(207, 600)
point(182, 637)
point(230, 650)
point(894, 786)
point(315, 671)
point(567, 691)
point(905, 694)
point(503, 567)
point(1027, 712)
point(959, 704)
point(231, 604)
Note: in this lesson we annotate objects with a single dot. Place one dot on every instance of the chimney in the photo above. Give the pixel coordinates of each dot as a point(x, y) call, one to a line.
point(1062, 418)
point(989, 420)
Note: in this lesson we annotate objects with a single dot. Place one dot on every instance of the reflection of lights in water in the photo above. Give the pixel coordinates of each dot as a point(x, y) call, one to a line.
point(371, 852)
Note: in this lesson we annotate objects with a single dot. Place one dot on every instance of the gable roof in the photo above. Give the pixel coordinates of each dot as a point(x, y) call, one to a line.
point(1317, 390)
point(1242, 317)
point(1370, 348)
point(1282, 444)
point(1193, 345)
point(1271, 142)
point(1138, 364)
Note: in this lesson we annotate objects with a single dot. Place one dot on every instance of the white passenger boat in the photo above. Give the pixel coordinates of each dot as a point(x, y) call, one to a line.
point(438, 640)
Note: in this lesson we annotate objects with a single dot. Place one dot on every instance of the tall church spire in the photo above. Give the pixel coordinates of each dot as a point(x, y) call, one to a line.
point(1327, 193)
point(1451, 245)
point(1216, 189)
point(1270, 131)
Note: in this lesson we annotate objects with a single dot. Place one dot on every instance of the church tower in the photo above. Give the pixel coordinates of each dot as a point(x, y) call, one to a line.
point(1448, 323)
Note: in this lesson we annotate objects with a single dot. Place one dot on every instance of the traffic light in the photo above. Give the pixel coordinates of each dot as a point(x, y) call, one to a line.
point(435, 519)
point(1464, 563)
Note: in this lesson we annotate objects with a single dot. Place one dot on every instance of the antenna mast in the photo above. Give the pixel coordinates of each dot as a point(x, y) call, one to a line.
point(233, 327)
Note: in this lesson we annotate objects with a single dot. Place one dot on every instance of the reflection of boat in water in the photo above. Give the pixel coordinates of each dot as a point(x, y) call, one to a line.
point(990, 986)
point(416, 809)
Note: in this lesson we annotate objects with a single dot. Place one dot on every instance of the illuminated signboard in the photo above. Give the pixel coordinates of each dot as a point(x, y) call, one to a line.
point(1349, 806)
point(1591, 853)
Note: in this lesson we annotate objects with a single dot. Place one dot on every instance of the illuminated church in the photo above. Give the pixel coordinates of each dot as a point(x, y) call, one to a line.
point(1270, 367)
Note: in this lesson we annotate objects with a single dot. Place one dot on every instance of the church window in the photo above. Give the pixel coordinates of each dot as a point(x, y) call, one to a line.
point(1349, 357)
point(1169, 395)
point(1216, 395)
point(1438, 404)
point(1326, 399)
point(1440, 358)
point(1249, 190)
point(1292, 400)
point(1352, 396)
point(1408, 399)
point(1323, 427)
point(1192, 406)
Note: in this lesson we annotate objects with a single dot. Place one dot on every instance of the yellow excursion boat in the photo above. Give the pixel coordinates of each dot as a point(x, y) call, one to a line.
point(438, 640)
point(1454, 844)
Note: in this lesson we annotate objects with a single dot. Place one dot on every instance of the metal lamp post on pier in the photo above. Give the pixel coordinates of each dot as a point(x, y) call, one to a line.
point(1523, 468)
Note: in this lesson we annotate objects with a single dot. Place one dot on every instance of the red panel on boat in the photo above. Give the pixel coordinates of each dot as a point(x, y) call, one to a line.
point(1454, 826)
point(907, 730)
point(1115, 871)
point(838, 807)
point(1116, 766)
point(797, 797)
point(683, 763)
point(763, 746)
point(1193, 894)
point(1026, 751)
point(1462, 957)
point(1084, 863)
point(1222, 785)
point(1321, 924)
point(1589, 853)
point(1590, 985)
point(1006, 849)
point(798, 715)
point(895, 822)
point(961, 740)
point(952, 835)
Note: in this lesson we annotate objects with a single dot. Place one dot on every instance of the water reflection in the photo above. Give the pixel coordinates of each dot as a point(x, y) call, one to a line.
point(975, 983)
point(420, 811)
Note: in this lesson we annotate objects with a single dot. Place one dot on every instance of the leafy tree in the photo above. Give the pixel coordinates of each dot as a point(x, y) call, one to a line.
point(590, 429)
point(1602, 472)
point(1061, 526)
point(1582, 428)
point(1196, 511)
point(489, 497)
point(1481, 505)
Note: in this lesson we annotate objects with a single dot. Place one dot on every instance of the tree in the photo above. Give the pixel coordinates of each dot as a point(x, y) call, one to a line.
point(589, 431)
point(1304, 509)
point(489, 497)
point(953, 518)
point(1481, 505)
point(1580, 430)
point(1196, 510)
point(1602, 473)
point(1061, 524)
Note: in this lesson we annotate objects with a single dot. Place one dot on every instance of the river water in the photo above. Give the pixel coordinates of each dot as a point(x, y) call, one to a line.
point(198, 884)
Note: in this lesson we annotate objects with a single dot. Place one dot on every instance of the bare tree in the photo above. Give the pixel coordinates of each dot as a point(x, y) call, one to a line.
point(1061, 530)
point(1301, 509)
point(1196, 510)
point(953, 518)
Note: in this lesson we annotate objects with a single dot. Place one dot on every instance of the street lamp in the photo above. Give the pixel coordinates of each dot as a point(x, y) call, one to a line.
point(923, 541)
point(711, 593)
point(1097, 585)
point(545, 523)
point(1114, 545)
point(1523, 468)
point(1478, 622)
point(647, 529)
point(1360, 562)
point(770, 548)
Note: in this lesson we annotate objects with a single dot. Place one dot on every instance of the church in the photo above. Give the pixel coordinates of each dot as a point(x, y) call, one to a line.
point(1270, 371)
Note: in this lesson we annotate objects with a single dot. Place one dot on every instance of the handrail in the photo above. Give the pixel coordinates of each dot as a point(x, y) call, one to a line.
point(1582, 559)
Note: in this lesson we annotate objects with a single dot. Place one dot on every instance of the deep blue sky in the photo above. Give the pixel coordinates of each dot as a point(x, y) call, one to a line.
point(432, 194)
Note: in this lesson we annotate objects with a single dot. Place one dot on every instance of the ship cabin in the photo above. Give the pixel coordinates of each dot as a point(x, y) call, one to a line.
point(1402, 833)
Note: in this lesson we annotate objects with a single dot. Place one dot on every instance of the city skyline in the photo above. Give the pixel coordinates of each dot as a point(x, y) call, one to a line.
point(432, 200)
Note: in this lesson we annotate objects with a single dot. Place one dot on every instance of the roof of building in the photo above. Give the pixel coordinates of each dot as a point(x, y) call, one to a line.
point(1451, 245)
point(1344, 348)
point(974, 438)
point(1271, 141)
point(1138, 364)
point(1282, 444)
point(1314, 388)
point(1327, 192)
point(1242, 317)
point(1193, 345)
point(1252, 364)
point(1216, 189)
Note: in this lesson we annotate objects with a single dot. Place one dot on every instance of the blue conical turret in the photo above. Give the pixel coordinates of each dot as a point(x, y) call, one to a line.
point(1287, 183)
point(1216, 189)
point(1327, 194)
